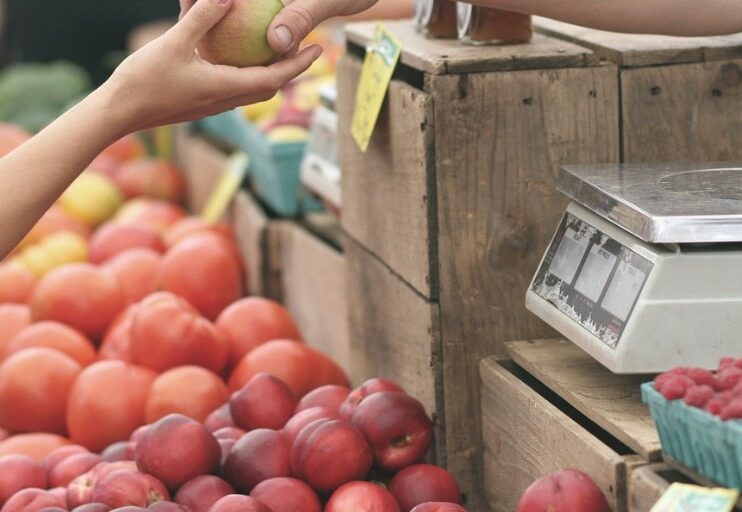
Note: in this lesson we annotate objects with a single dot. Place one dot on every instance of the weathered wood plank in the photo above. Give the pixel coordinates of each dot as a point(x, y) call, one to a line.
point(388, 191)
point(526, 437)
point(313, 278)
point(498, 208)
point(612, 401)
point(439, 57)
point(204, 165)
point(641, 50)
point(250, 225)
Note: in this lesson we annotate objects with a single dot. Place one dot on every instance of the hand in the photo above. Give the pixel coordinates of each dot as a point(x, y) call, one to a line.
point(166, 82)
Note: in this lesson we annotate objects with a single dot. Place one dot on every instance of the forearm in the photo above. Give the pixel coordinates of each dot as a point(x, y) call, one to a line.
point(35, 174)
point(677, 17)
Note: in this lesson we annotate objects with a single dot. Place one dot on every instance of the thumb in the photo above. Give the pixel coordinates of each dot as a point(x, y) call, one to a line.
point(200, 18)
point(296, 21)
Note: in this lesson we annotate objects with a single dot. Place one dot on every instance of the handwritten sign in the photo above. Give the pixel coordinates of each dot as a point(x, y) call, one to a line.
point(692, 498)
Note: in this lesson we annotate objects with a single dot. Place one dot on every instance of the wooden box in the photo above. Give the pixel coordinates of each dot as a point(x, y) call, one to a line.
point(451, 207)
point(553, 407)
point(681, 97)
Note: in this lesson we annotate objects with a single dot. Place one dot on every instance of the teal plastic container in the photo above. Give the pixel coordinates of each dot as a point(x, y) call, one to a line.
point(699, 440)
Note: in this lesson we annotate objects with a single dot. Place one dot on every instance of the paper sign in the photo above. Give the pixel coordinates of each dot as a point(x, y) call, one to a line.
point(164, 140)
point(692, 498)
point(382, 56)
point(227, 187)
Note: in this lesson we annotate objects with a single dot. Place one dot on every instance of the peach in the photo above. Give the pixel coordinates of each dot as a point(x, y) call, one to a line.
point(148, 177)
point(60, 454)
point(219, 418)
point(56, 336)
point(287, 495)
point(225, 445)
point(137, 272)
point(166, 506)
point(113, 238)
point(60, 493)
point(258, 456)
point(17, 283)
point(307, 416)
point(366, 389)
point(397, 428)
point(19, 472)
point(424, 483)
point(233, 433)
point(71, 467)
point(566, 491)
point(190, 226)
point(331, 396)
point(158, 214)
point(239, 503)
point(126, 487)
point(31, 500)
point(437, 506)
point(92, 507)
point(80, 490)
point(177, 449)
point(264, 402)
point(329, 453)
point(37, 445)
point(361, 497)
point(200, 493)
point(116, 452)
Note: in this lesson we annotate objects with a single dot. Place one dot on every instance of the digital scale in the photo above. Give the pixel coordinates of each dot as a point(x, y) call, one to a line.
point(644, 271)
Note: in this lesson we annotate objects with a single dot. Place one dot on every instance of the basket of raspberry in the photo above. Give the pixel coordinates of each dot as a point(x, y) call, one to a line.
point(699, 418)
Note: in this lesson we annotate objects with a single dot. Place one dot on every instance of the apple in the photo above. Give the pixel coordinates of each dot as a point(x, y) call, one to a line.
point(424, 483)
point(287, 495)
point(126, 487)
point(307, 416)
point(397, 428)
point(200, 493)
point(31, 500)
point(366, 389)
point(264, 402)
point(329, 453)
point(71, 467)
point(331, 396)
point(361, 497)
point(239, 503)
point(219, 419)
point(258, 455)
point(565, 491)
point(438, 506)
point(19, 472)
point(176, 449)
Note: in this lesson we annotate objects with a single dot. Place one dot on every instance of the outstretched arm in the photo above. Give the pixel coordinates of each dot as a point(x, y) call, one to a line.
point(164, 82)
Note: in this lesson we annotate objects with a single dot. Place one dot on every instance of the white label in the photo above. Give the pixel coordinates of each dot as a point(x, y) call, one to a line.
point(624, 289)
point(569, 255)
point(595, 273)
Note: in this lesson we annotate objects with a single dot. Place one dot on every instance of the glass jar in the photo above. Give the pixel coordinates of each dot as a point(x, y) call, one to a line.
point(436, 18)
point(484, 26)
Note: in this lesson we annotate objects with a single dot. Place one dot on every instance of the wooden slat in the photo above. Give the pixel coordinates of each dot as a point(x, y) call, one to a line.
point(441, 57)
point(388, 190)
point(526, 437)
point(251, 224)
point(394, 332)
point(690, 112)
point(646, 487)
point(500, 141)
point(639, 50)
point(313, 277)
point(204, 165)
point(612, 401)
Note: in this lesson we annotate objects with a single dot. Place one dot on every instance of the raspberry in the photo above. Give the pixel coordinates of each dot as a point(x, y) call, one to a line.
point(674, 388)
point(698, 396)
point(726, 362)
point(716, 404)
point(701, 376)
point(728, 378)
point(733, 410)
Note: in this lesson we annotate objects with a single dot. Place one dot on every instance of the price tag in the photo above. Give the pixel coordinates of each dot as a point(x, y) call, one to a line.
point(320, 172)
point(164, 140)
point(692, 498)
point(227, 187)
point(382, 56)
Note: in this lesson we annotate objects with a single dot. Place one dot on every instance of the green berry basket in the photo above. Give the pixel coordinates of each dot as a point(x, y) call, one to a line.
point(697, 439)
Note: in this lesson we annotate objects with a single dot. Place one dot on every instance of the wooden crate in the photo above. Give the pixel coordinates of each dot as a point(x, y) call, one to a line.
point(453, 204)
point(681, 97)
point(553, 407)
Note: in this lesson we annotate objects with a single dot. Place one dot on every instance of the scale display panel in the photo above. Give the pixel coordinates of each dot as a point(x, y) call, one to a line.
point(592, 279)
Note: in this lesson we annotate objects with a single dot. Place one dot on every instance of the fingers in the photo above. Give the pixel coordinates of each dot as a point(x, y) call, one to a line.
point(200, 18)
point(185, 6)
point(297, 20)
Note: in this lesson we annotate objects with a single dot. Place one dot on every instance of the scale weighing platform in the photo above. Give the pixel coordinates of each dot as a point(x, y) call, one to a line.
point(645, 269)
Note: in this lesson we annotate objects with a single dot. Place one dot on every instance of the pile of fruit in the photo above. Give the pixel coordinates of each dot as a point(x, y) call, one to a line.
point(718, 393)
point(134, 371)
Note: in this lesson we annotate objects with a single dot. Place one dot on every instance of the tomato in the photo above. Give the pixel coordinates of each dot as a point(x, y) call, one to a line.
point(55, 220)
point(13, 319)
point(301, 367)
point(81, 296)
point(116, 343)
point(55, 336)
point(17, 283)
point(137, 272)
point(205, 271)
point(151, 178)
point(126, 148)
point(36, 445)
point(253, 321)
point(190, 226)
point(158, 214)
point(114, 238)
point(34, 386)
point(189, 390)
point(107, 403)
point(167, 332)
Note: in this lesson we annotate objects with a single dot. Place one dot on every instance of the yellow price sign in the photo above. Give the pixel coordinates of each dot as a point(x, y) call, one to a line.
point(382, 56)
point(692, 498)
point(227, 187)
